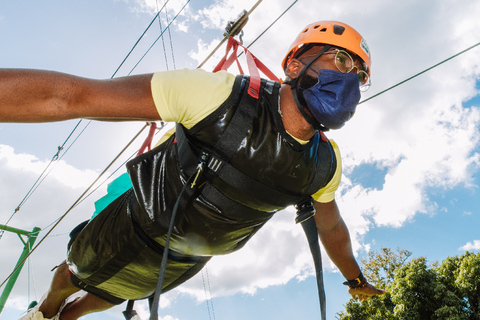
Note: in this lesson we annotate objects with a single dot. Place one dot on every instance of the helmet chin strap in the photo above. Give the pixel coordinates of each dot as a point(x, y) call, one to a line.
point(294, 85)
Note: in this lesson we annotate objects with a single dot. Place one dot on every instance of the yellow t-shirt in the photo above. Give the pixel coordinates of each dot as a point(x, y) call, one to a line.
point(188, 96)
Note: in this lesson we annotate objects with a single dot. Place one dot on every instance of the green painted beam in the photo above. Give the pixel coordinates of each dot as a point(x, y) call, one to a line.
point(32, 236)
point(15, 230)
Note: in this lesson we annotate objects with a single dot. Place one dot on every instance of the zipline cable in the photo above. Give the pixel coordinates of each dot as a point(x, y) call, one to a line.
point(73, 205)
point(79, 200)
point(234, 31)
point(170, 37)
point(420, 73)
point(140, 38)
point(210, 292)
point(114, 160)
point(161, 34)
point(101, 183)
point(103, 172)
point(275, 21)
point(44, 174)
point(206, 296)
point(163, 38)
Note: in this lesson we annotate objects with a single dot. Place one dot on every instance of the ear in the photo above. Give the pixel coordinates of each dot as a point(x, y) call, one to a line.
point(293, 69)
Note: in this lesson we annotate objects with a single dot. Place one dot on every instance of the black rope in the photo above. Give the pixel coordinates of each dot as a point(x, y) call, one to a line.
point(163, 265)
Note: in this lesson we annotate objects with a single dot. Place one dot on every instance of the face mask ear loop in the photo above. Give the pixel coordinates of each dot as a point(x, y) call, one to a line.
point(294, 85)
point(315, 125)
point(325, 49)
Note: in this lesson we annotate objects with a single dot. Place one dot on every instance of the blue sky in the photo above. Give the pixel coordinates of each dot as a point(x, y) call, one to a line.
point(411, 156)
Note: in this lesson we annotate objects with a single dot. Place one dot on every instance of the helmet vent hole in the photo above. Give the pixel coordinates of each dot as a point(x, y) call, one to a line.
point(338, 29)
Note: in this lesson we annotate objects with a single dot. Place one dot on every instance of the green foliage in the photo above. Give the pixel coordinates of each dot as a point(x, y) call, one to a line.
point(415, 291)
point(380, 268)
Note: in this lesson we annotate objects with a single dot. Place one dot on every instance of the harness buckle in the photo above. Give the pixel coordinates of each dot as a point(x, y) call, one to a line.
point(305, 210)
point(203, 159)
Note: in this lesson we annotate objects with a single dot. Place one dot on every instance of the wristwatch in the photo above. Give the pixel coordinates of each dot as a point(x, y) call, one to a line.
point(358, 282)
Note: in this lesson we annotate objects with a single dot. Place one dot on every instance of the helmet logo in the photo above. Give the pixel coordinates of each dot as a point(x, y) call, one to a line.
point(364, 46)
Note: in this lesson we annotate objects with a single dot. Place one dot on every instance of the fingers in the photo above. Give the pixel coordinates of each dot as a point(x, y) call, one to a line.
point(360, 297)
point(364, 293)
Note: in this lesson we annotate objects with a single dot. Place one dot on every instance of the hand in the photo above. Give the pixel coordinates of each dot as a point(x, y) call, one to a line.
point(365, 292)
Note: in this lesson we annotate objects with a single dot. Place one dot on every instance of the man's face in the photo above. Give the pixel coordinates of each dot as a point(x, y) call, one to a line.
point(337, 59)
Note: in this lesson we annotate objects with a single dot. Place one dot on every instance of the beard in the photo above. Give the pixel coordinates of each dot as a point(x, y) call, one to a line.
point(305, 82)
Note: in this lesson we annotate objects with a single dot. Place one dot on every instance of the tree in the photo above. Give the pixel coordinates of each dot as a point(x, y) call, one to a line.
point(379, 268)
point(462, 276)
point(446, 291)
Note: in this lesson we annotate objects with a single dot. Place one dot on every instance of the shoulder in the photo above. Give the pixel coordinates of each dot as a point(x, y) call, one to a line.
point(327, 193)
point(198, 78)
point(187, 96)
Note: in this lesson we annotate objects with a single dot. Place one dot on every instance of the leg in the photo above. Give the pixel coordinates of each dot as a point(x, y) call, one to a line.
point(85, 305)
point(60, 289)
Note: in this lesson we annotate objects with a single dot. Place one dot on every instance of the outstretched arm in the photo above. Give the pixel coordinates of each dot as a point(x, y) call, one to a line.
point(43, 96)
point(336, 240)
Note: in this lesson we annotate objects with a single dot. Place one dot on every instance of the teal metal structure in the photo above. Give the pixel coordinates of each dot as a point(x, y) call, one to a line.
point(28, 244)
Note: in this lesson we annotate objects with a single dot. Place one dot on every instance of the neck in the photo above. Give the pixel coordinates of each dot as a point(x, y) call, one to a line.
point(293, 121)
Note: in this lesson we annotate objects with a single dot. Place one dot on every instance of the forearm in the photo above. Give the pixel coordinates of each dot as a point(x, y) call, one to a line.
point(33, 96)
point(43, 96)
point(338, 246)
point(335, 238)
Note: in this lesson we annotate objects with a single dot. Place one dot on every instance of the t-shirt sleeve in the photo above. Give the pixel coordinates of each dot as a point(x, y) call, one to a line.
point(327, 193)
point(187, 96)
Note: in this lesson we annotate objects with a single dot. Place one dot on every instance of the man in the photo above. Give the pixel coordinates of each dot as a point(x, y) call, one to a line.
point(235, 160)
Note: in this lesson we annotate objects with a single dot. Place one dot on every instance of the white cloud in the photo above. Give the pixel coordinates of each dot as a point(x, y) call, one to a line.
point(470, 246)
point(63, 173)
point(421, 132)
point(46, 205)
point(202, 52)
point(276, 255)
point(143, 310)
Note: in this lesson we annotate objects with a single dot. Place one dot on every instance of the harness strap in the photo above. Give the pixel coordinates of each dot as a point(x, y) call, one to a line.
point(305, 213)
point(129, 313)
point(147, 144)
point(254, 65)
point(221, 169)
point(219, 164)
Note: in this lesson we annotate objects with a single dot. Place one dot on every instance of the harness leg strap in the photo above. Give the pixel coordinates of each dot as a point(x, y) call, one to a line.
point(311, 232)
point(305, 213)
point(129, 313)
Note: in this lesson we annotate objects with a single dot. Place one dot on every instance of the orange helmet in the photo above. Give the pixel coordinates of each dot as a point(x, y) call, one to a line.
point(334, 33)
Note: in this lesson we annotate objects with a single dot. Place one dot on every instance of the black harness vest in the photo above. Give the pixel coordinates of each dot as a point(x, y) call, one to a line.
point(243, 167)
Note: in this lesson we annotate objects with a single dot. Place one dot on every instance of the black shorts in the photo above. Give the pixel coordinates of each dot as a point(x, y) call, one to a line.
point(114, 260)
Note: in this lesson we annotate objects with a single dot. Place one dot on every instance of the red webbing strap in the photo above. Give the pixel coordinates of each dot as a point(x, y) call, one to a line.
point(253, 66)
point(255, 82)
point(147, 144)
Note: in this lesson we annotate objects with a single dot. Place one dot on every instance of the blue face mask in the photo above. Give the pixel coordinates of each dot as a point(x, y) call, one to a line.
point(333, 99)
